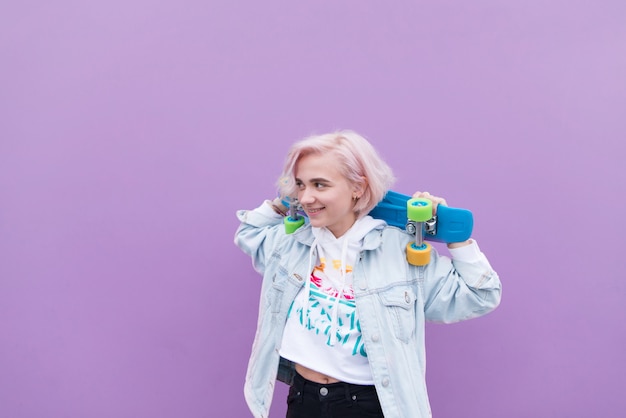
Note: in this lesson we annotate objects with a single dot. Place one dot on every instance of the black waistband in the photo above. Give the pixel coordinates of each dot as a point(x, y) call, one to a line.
point(331, 390)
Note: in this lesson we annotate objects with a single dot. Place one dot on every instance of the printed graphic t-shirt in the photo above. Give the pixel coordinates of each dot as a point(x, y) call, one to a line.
point(323, 331)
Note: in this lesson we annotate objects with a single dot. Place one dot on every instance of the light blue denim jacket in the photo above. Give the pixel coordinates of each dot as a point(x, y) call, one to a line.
point(393, 300)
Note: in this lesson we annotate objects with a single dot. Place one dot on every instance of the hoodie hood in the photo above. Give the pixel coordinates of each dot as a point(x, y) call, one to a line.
point(355, 234)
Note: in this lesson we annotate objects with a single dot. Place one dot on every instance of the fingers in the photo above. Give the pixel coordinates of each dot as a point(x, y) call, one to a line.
point(435, 199)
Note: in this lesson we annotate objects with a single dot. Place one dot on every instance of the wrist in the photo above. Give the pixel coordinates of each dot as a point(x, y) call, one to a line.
point(459, 244)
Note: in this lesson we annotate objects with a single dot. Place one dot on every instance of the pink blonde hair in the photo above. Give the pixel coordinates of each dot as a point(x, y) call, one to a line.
point(358, 159)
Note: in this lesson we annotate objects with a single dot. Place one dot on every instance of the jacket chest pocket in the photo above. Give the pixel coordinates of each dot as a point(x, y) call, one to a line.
point(276, 291)
point(282, 290)
point(399, 307)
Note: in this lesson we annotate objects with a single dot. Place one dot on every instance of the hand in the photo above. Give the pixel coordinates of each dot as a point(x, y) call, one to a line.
point(436, 200)
point(279, 207)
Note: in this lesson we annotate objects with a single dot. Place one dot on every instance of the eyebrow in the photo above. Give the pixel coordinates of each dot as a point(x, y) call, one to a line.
point(315, 180)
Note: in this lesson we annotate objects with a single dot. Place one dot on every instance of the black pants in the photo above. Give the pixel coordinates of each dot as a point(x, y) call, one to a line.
point(337, 400)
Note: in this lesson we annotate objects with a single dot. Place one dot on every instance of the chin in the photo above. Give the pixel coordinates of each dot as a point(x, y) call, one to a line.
point(317, 224)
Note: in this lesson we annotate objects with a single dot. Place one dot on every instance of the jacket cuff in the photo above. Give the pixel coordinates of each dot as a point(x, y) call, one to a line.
point(261, 216)
point(468, 253)
point(267, 210)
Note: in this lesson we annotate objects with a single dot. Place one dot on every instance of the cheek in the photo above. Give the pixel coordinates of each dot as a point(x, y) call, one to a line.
point(346, 204)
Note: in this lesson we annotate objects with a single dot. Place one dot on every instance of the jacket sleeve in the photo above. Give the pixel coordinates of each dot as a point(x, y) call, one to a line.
point(462, 287)
point(258, 233)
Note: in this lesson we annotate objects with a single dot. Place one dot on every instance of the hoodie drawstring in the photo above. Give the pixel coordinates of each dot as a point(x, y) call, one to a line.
point(335, 320)
point(334, 328)
point(307, 285)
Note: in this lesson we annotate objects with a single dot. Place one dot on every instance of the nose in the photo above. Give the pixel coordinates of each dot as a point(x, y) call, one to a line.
point(305, 196)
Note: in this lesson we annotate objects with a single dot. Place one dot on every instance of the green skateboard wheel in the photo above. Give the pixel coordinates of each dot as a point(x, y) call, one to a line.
point(291, 224)
point(419, 210)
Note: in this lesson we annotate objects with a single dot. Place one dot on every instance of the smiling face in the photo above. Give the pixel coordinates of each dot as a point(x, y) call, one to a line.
point(325, 194)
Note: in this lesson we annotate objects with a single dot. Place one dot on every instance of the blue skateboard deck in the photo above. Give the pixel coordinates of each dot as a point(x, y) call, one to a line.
point(450, 224)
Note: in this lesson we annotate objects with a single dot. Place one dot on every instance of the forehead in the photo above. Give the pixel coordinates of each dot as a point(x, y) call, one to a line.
point(318, 166)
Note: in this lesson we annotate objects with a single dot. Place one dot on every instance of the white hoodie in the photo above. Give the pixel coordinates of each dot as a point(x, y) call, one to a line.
point(323, 331)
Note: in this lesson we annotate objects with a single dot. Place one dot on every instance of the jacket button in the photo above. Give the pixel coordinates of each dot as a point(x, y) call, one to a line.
point(375, 338)
point(385, 382)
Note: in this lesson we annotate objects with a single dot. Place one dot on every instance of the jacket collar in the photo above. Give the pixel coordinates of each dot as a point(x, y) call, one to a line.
point(372, 240)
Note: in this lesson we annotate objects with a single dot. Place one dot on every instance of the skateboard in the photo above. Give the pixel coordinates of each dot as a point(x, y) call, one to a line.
point(415, 215)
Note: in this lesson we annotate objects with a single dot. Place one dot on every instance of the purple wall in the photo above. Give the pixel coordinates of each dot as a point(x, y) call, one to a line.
point(131, 131)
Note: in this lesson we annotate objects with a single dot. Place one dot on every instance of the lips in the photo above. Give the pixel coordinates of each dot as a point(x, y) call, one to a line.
point(313, 212)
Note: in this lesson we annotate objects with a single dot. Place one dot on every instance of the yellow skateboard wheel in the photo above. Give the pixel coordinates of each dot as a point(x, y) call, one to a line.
point(418, 256)
point(419, 210)
point(291, 225)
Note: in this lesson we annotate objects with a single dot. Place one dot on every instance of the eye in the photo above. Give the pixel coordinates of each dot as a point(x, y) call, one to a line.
point(319, 185)
point(299, 185)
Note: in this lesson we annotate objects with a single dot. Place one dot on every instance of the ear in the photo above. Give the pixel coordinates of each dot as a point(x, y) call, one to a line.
point(359, 188)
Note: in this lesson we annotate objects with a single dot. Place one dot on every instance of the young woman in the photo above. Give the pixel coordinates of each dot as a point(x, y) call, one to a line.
point(341, 314)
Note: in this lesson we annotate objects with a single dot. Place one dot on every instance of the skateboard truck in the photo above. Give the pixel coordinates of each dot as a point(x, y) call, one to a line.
point(430, 226)
point(293, 220)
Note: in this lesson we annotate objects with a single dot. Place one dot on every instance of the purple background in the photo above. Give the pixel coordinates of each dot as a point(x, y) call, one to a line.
point(131, 131)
